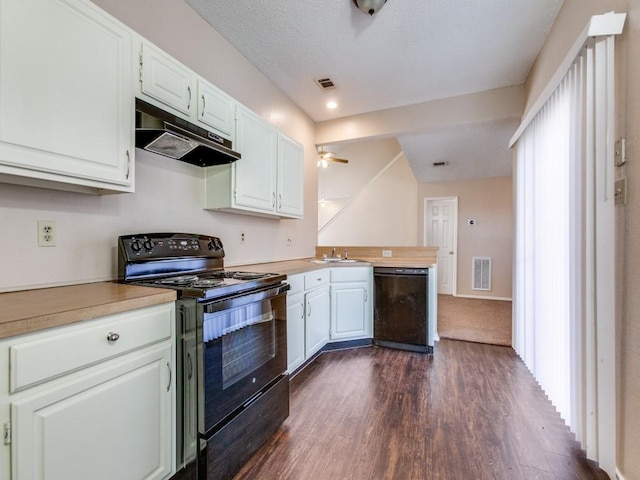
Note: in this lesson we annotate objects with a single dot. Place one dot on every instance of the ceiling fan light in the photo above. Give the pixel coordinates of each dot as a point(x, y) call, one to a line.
point(369, 6)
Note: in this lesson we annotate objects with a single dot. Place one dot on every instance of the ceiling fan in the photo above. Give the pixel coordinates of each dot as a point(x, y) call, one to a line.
point(324, 157)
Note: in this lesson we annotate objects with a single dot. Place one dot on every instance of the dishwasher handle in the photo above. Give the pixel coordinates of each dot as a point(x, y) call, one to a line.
point(393, 271)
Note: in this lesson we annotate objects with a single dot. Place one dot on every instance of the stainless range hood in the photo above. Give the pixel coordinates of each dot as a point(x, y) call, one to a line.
point(160, 132)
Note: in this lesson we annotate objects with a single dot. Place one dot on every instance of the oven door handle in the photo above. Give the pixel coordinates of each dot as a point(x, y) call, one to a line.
point(245, 298)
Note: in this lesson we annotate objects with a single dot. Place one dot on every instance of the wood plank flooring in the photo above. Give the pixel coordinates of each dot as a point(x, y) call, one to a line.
point(470, 412)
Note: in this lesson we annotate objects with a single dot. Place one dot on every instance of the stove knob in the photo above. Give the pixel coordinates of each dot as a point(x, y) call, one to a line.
point(148, 245)
point(136, 246)
point(213, 244)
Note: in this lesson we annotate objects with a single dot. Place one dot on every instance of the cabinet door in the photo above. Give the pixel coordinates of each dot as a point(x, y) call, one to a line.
point(66, 94)
point(290, 177)
point(112, 422)
point(318, 313)
point(295, 331)
point(167, 81)
point(349, 310)
point(216, 109)
point(255, 172)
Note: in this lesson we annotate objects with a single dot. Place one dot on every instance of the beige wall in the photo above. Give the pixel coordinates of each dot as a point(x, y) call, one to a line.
point(489, 201)
point(489, 106)
point(169, 194)
point(570, 22)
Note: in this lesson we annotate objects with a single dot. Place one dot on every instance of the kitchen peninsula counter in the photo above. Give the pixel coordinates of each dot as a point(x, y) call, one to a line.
point(403, 257)
point(29, 311)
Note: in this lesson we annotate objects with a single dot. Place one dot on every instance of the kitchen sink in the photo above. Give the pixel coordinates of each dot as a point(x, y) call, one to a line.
point(334, 260)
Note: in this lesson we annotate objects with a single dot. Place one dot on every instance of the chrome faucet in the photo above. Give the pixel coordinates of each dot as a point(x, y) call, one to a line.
point(333, 252)
point(346, 254)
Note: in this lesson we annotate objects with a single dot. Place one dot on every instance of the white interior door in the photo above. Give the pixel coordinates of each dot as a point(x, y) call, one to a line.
point(440, 230)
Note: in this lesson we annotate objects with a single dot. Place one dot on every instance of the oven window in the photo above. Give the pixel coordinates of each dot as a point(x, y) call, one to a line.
point(248, 339)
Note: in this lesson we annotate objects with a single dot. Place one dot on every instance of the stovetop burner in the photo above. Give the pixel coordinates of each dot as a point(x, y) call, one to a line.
point(189, 263)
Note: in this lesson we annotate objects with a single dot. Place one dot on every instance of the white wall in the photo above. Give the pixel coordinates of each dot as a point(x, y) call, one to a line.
point(168, 193)
point(384, 213)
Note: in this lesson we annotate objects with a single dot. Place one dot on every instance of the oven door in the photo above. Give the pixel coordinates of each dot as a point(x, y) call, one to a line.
point(244, 348)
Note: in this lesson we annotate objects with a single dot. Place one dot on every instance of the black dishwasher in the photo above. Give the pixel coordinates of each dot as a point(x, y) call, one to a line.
point(401, 309)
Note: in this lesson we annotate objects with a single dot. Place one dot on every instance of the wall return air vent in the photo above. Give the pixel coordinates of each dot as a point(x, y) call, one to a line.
point(481, 273)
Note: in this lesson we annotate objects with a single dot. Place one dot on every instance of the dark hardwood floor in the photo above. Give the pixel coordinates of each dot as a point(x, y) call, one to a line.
point(470, 412)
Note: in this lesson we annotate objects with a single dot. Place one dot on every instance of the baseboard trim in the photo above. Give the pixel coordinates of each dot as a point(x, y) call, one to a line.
point(619, 475)
point(482, 297)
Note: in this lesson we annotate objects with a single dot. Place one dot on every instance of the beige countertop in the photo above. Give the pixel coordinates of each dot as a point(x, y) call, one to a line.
point(33, 310)
point(303, 265)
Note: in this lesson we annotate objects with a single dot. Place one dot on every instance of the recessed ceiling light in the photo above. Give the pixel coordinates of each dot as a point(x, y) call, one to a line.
point(332, 105)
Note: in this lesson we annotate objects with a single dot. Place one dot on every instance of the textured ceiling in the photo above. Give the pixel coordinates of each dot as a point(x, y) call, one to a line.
point(410, 52)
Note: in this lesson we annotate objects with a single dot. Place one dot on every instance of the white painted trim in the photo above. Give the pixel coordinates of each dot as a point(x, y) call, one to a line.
point(480, 297)
point(454, 267)
point(606, 24)
point(364, 189)
point(619, 475)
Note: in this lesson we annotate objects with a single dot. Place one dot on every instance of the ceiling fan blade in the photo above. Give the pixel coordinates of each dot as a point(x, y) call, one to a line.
point(339, 160)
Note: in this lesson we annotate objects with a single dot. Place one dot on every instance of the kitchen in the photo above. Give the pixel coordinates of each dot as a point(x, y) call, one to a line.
point(87, 226)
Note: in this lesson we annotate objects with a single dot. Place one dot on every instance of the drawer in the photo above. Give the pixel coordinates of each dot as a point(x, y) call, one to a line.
point(351, 274)
point(296, 282)
point(74, 347)
point(316, 278)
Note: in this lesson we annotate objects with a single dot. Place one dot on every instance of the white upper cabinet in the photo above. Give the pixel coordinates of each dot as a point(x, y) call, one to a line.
point(267, 180)
point(216, 109)
point(290, 177)
point(255, 172)
point(66, 96)
point(167, 84)
point(166, 81)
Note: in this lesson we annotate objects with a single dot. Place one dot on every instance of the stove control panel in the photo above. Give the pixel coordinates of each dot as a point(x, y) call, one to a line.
point(157, 246)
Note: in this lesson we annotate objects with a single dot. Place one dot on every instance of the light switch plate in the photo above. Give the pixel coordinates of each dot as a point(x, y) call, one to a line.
point(387, 253)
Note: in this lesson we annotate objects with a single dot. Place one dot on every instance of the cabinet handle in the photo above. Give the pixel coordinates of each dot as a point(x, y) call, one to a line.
point(190, 366)
point(280, 201)
point(273, 202)
point(204, 106)
point(170, 376)
point(302, 311)
point(113, 337)
point(128, 165)
point(308, 309)
point(189, 102)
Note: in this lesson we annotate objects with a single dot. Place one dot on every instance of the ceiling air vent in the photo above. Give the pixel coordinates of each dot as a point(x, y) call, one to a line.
point(325, 83)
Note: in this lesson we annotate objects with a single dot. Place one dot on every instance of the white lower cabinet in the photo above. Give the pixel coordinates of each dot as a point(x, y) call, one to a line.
point(351, 303)
point(308, 316)
point(295, 331)
point(317, 311)
point(112, 417)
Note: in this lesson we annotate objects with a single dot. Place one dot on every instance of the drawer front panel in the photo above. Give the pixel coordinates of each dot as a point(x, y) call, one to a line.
point(71, 348)
point(316, 278)
point(296, 282)
point(351, 274)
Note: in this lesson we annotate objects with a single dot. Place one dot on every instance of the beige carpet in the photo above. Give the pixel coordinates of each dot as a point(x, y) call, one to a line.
point(474, 320)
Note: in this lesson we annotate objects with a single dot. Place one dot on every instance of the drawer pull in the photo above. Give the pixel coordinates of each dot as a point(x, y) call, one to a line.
point(113, 337)
point(170, 376)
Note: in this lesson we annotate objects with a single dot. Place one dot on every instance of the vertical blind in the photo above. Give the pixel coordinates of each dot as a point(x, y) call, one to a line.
point(563, 279)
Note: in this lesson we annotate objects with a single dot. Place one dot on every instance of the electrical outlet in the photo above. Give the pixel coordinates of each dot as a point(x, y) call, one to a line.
point(289, 241)
point(620, 193)
point(387, 253)
point(46, 233)
point(242, 237)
